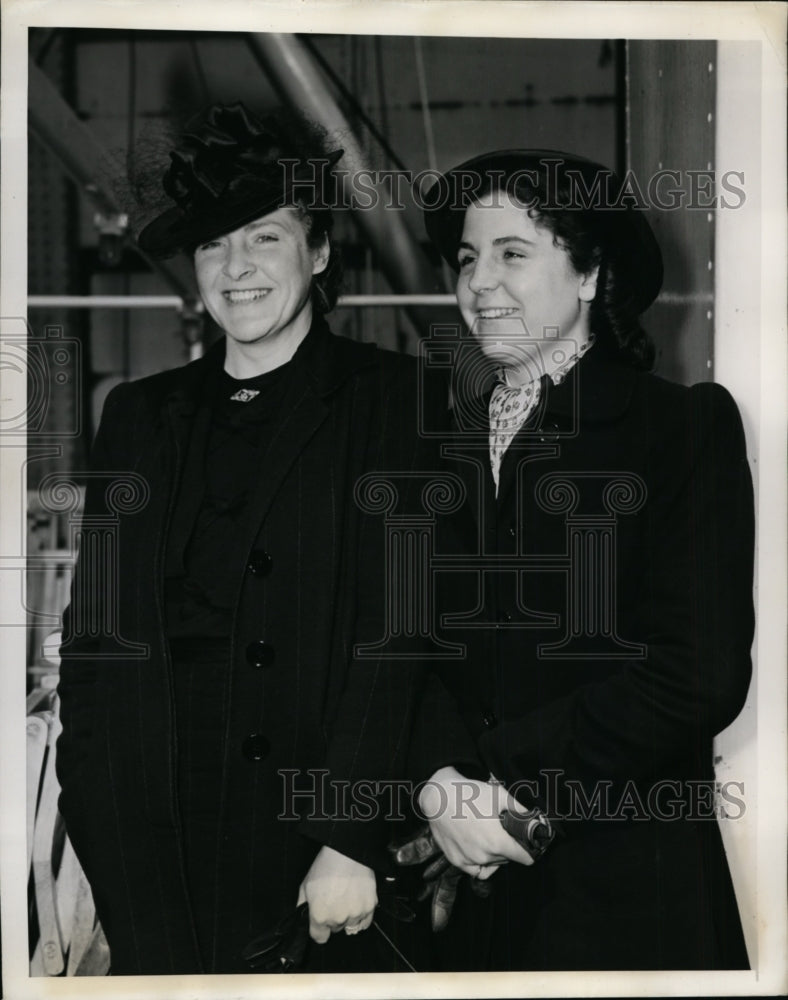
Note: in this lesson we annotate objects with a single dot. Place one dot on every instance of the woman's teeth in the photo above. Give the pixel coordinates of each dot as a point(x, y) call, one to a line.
point(247, 295)
point(495, 313)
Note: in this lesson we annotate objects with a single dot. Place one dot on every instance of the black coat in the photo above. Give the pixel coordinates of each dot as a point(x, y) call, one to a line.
point(610, 677)
point(349, 410)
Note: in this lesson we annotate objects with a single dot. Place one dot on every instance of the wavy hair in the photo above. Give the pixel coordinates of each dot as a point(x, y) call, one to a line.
point(614, 316)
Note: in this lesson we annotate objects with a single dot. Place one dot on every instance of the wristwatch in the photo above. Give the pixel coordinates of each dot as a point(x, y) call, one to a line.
point(532, 830)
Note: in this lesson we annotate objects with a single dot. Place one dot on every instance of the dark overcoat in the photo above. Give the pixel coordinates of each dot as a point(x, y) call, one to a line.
point(610, 626)
point(311, 584)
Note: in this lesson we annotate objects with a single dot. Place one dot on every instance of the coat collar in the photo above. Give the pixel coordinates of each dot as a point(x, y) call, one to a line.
point(322, 363)
point(597, 389)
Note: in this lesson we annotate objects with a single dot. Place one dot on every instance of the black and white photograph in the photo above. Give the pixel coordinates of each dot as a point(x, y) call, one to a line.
point(393, 488)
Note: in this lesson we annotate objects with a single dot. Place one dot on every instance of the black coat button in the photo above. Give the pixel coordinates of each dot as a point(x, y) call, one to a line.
point(505, 616)
point(512, 530)
point(489, 720)
point(260, 654)
point(255, 747)
point(260, 563)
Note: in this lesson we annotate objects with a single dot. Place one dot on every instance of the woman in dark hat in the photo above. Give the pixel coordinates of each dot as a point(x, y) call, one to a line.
point(205, 733)
point(613, 608)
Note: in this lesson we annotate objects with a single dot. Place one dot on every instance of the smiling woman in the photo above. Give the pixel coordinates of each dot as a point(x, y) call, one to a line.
point(611, 632)
point(250, 577)
point(256, 283)
point(516, 285)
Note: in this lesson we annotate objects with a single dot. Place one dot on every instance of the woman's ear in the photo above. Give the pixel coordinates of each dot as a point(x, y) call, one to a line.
point(320, 256)
point(587, 288)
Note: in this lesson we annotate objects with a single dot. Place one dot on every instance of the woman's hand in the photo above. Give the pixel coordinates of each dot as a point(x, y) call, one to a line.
point(341, 893)
point(464, 821)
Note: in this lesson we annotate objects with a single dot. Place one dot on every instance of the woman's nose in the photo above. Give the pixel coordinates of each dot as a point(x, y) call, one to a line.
point(483, 275)
point(237, 262)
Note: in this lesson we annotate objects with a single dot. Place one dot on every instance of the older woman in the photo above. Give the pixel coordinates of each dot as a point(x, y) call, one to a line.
point(613, 606)
point(248, 579)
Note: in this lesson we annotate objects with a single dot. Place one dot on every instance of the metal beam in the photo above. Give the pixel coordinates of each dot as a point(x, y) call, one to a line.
point(175, 302)
point(54, 122)
point(300, 83)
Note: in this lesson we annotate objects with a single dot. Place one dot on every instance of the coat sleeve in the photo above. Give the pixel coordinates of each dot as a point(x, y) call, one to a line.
point(695, 612)
point(78, 666)
point(372, 723)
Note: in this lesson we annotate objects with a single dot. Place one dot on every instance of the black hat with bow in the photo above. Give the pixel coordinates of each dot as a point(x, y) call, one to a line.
point(229, 170)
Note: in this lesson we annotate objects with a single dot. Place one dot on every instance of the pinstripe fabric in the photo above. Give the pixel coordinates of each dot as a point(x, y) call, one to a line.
point(350, 410)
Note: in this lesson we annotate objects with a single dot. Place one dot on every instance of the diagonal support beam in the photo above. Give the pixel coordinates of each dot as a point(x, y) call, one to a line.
point(300, 83)
point(54, 122)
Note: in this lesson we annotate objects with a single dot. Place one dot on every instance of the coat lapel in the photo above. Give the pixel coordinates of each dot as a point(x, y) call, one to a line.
point(321, 364)
point(302, 414)
point(596, 390)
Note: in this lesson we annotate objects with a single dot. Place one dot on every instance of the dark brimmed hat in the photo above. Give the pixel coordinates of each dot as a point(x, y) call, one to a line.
point(559, 181)
point(230, 169)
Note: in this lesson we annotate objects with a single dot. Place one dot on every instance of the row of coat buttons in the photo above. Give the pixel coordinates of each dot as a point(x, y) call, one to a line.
point(255, 747)
point(260, 563)
point(259, 654)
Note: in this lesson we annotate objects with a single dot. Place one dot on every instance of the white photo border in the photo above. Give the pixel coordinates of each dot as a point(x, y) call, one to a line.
point(763, 406)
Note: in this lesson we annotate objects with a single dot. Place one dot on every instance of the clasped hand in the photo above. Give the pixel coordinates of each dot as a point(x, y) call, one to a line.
point(463, 815)
point(341, 894)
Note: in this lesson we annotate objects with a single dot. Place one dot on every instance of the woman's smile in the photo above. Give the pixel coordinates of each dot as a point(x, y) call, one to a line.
point(242, 296)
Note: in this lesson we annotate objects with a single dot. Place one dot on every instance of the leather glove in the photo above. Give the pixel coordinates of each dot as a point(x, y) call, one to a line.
point(441, 878)
point(532, 830)
point(284, 947)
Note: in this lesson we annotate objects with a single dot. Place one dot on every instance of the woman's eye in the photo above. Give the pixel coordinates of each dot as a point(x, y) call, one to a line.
point(207, 246)
point(265, 238)
point(513, 254)
point(464, 260)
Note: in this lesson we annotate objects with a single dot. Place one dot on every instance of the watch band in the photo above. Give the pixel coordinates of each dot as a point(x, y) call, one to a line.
point(532, 830)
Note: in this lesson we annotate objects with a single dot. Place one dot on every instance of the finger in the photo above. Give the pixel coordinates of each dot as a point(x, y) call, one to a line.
point(510, 850)
point(481, 888)
point(320, 933)
point(473, 868)
point(415, 851)
point(443, 900)
point(436, 868)
point(486, 872)
point(357, 924)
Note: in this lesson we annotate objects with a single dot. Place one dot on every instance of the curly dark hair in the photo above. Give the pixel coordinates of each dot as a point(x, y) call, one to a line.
point(614, 316)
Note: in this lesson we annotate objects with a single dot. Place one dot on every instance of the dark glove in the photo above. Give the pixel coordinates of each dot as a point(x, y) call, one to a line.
point(441, 877)
point(283, 949)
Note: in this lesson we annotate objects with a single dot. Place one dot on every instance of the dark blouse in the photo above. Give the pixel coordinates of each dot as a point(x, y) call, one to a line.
point(201, 576)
